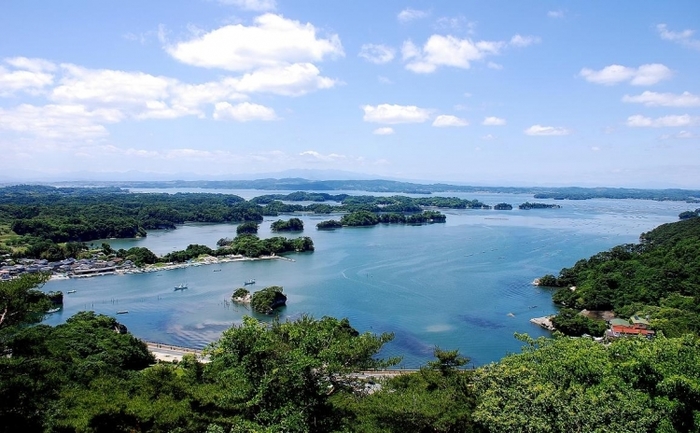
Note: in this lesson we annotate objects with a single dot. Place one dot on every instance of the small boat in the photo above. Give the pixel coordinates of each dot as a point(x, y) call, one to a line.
point(71, 291)
point(123, 312)
point(54, 310)
point(249, 282)
point(181, 286)
point(217, 270)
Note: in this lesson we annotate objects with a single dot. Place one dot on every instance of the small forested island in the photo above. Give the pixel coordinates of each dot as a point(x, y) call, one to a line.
point(265, 301)
point(291, 225)
point(528, 206)
point(689, 214)
point(366, 218)
point(657, 279)
point(329, 225)
point(503, 206)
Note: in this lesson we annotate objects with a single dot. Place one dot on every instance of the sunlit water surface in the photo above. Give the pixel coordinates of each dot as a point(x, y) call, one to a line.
point(465, 284)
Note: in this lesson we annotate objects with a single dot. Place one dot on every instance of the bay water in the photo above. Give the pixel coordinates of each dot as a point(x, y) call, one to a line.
point(465, 284)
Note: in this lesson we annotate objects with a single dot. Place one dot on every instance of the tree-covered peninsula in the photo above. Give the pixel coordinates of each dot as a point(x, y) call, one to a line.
point(658, 278)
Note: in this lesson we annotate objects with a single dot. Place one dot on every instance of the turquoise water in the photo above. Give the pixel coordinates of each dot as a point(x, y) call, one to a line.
point(461, 285)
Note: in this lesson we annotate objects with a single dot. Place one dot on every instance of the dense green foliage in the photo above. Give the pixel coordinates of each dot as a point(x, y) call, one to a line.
point(689, 214)
point(330, 224)
point(659, 277)
point(247, 228)
point(265, 301)
point(572, 322)
point(291, 225)
point(503, 206)
point(21, 302)
point(240, 292)
point(367, 218)
point(566, 385)
point(527, 206)
point(252, 246)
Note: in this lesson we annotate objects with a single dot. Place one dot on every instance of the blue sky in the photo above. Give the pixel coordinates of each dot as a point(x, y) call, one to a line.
point(486, 93)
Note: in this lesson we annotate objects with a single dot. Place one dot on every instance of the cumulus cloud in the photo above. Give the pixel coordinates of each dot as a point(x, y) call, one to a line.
point(665, 121)
point(493, 121)
point(25, 75)
point(109, 86)
point(55, 121)
point(409, 14)
point(446, 51)
point(383, 131)
point(653, 99)
point(393, 114)
point(272, 41)
point(684, 37)
point(645, 75)
point(33, 65)
point(377, 53)
point(682, 135)
point(292, 80)
point(444, 120)
point(524, 41)
point(547, 130)
point(252, 5)
point(317, 156)
point(243, 112)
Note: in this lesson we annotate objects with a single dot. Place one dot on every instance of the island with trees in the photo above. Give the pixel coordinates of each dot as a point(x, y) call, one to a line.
point(291, 225)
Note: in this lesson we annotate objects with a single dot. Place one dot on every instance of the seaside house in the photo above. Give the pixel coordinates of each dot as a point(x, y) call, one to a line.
point(634, 326)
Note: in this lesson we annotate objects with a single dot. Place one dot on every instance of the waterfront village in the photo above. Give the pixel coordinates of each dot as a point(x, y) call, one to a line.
point(88, 267)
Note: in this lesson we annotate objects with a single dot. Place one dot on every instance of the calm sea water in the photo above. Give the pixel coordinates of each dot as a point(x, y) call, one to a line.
point(461, 285)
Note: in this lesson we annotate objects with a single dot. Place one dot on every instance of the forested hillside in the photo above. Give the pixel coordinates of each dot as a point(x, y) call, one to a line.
point(659, 277)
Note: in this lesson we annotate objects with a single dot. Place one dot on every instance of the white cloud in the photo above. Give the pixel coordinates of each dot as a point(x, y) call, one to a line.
point(653, 99)
point(58, 121)
point(109, 86)
point(272, 41)
point(493, 121)
point(243, 112)
point(684, 38)
point(317, 156)
point(377, 53)
point(383, 131)
point(392, 114)
point(665, 121)
point(454, 23)
point(546, 130)
point(444, 120)
point(33, 65)
point(409, 14)
point(446, 51)
point(293, 80)
point(645, 75)
point(488, 137)
point(524, 41)
point(25, 81)
point(494, 65)
point(683, 135)
point(556, 14)
point(252, 5)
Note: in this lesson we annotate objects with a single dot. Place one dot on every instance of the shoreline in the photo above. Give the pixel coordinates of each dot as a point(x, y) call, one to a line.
point(205, 261)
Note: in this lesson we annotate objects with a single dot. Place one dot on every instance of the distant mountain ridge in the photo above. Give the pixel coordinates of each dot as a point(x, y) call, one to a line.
point(393, 186)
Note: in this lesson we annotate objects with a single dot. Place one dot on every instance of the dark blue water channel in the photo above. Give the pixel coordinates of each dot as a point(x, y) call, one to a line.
point(461, 285)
